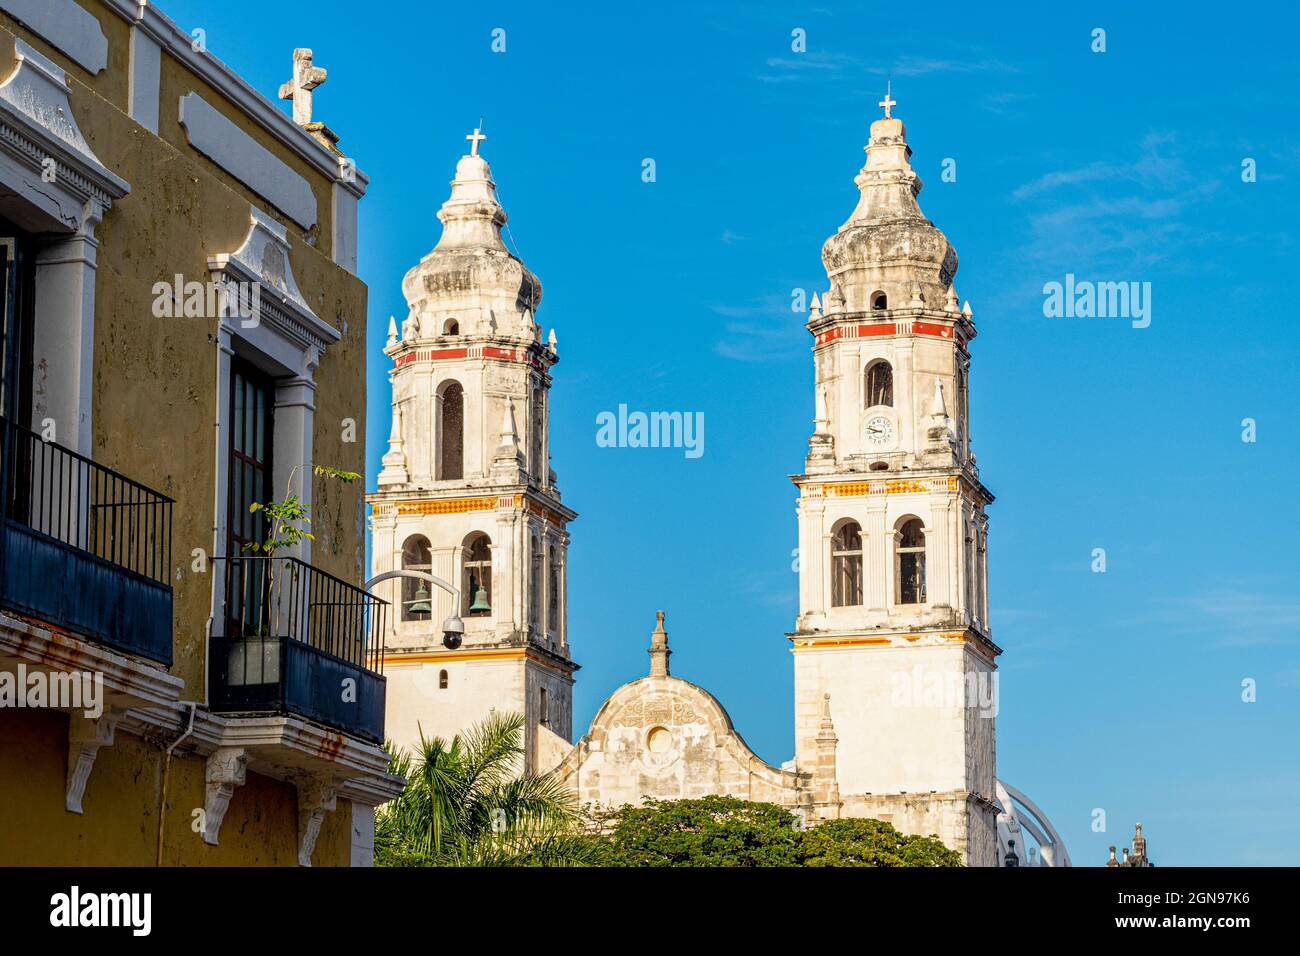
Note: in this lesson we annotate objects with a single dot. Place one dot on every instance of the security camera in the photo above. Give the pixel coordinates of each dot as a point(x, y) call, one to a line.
point(453, 629)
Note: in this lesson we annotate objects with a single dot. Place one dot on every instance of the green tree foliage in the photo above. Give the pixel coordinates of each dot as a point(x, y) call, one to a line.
point(859, 842)
point(726, 831)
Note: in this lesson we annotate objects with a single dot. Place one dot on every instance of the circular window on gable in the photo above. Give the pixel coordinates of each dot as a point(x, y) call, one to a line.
point(659, 741)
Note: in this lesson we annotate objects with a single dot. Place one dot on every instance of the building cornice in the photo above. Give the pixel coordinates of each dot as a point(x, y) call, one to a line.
point(146, 16)
point(893, 637)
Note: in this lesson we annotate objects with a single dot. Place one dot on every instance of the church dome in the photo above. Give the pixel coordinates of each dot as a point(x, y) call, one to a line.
point(887, 245)
point(470, 277)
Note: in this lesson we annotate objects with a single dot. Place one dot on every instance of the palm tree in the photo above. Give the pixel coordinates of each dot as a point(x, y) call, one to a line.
point(467, 804)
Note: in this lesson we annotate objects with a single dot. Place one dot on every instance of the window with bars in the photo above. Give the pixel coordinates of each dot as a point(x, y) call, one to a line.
point(553, 593)
point(846, 565)
point(451, 434)
point(878, 385)
point(910, 565)
point(252, 400)
point(17, 285)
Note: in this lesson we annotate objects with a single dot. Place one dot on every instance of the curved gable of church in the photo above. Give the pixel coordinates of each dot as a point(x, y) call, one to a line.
point(665, 738)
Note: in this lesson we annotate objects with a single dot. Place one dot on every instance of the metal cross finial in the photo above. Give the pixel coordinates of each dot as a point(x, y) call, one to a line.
point(305, 79)
point(887, 103)
point(476, 137)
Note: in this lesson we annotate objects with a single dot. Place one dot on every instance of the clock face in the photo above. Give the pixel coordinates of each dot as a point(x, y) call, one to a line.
point(880, 431)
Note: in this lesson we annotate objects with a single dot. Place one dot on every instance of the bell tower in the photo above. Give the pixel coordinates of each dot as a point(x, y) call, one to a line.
point(893, 607)
point(467, 492)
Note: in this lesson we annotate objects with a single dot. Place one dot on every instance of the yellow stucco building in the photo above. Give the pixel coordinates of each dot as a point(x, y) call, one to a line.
point(183, 338)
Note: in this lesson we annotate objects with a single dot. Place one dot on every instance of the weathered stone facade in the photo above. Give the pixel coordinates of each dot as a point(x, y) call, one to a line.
point(894, 662)
point(467, 493)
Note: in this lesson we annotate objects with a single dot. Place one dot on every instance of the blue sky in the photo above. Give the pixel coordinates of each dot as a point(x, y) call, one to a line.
point(1120, 690)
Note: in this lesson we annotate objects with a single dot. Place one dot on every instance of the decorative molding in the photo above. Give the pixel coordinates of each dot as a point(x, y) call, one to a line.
point(891, 486)
point(263, 259)
point(128, 681)
point(316, 797)
point(66, 25)
point(144, 89)
point(85, 737)
point(37, 125)
point(226, 770)
point(235, 89)
point(212, 134)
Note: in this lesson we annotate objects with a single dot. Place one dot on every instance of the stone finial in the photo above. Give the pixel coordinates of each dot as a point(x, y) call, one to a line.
point(659, 652)
point(550, 340)
point(826, 788)
point(509, 454)
point(950, 300)
point(392, 330)
point(939, 407)
point(394, 460)
point(815, 312)
point(827, 727)
point(966, 310)
point(306, 78)
point(1112, 861)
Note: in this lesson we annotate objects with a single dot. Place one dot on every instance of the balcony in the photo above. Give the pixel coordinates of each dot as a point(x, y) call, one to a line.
point(82, 548)
point(291, 639)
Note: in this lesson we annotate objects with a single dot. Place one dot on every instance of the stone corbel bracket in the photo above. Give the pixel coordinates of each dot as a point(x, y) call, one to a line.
point(85, 737)
point(40, 139)
point(226, 770)
point(263, 260)
point(317, 796)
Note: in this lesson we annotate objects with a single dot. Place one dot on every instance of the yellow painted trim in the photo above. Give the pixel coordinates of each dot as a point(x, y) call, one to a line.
point(952, 637)
point(888, 486)
point(485, 654)
point(451, 506)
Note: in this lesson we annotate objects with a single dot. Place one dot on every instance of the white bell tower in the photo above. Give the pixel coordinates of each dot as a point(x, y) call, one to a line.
point(893, 608)
point(467, 492)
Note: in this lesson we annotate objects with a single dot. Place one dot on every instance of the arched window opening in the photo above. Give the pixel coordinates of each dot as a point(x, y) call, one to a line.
point(846, 565)
point(535, 586)
point(477, 592)
point(442, 680)
point(544, 707)
point(553, 593)
point(879, 301)
point(451, 327)
point(910, 565)
point(451, 434)
point(878, 385)
point(416, 602)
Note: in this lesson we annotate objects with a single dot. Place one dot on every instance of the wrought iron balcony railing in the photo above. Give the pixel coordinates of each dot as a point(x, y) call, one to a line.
point(292, 639)
point(84, 548)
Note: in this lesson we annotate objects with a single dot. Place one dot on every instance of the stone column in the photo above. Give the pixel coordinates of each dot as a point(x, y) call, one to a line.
point(879, 547)
point(938, 567)
point(63, 346)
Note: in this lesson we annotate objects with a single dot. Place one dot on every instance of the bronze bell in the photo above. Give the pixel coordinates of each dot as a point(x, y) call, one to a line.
point(480, 601)
point(421, 605)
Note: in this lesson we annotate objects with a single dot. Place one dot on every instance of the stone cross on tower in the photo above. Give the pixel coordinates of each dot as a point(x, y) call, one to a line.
point(887, 103)
point(305, 79)
point(475, 138)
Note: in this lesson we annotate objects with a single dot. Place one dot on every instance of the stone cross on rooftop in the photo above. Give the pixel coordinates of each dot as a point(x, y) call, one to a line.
point(305, 79)
point(887, 103)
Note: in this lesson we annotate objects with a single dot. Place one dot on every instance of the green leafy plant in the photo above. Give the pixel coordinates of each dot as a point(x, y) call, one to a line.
point(290, 519)
point(467, 804)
